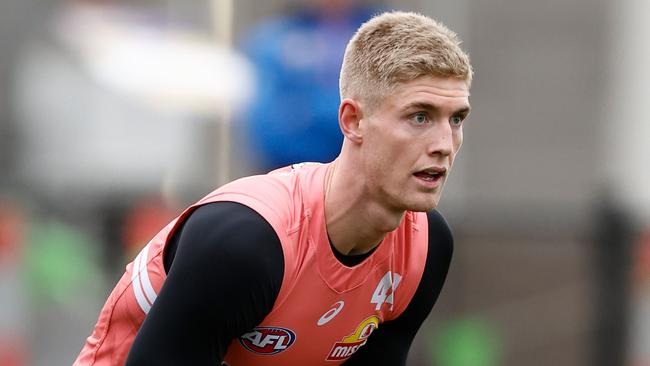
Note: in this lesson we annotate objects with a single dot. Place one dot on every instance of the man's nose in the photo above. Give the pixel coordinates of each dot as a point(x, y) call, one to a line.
point(441, 139)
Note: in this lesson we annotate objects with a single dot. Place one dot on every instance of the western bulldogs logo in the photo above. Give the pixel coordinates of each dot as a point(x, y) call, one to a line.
point(268, 340)
point(350, 344)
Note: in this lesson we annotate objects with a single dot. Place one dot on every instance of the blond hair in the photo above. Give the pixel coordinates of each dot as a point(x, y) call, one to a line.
point(397, 47)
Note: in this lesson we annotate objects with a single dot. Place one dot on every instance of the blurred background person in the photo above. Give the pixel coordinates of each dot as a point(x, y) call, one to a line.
point(297, 57)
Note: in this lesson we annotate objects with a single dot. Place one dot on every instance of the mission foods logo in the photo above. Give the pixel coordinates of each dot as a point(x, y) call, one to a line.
point(268, 340)
point(350, 344)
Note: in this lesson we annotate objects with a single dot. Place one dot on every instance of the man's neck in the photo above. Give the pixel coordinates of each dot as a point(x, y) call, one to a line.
point(356, 222)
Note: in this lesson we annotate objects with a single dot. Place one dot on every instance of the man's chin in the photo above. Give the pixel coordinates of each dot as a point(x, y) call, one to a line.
point(422, 206)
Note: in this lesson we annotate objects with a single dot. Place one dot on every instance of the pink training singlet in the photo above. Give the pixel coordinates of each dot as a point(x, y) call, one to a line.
point(324, 311)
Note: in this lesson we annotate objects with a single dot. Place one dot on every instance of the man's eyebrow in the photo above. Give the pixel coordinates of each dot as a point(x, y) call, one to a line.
point(432, 107)
point(464, 111)
point(419, 105)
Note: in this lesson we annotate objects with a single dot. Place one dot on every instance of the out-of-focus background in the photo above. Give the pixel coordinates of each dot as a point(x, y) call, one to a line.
point(115, 115)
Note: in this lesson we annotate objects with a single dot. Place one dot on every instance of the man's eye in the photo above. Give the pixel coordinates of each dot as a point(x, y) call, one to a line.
point(456, 120)
point(419, 118)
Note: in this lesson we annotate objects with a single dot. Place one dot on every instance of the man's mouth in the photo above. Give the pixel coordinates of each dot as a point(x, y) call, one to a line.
point(431, 174)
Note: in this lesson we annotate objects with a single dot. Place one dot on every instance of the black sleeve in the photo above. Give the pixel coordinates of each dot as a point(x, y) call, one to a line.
point(225, 276)
point(390, 343)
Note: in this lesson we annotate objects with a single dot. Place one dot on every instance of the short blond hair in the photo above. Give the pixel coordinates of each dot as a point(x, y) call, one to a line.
point(396, 47)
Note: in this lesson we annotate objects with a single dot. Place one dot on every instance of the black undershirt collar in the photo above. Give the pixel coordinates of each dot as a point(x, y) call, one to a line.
point(350, 260)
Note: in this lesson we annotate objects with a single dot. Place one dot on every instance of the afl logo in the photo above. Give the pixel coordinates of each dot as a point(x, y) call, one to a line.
point(268, 340)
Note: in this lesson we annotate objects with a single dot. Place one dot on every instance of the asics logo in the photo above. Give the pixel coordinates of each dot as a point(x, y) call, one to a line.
point(331, 313)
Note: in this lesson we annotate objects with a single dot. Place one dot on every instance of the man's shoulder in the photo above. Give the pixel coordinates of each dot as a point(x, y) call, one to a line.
point(278, 196)
point(282, 183)
point(440, 234)
point(435, 218)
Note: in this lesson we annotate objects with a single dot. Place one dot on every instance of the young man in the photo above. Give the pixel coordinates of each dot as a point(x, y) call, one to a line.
point(314, 264)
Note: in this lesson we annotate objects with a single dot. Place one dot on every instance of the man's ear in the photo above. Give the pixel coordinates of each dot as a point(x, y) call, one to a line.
point(350, 115)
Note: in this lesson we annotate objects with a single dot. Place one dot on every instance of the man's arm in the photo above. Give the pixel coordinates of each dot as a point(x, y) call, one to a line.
point(225, 275)
point(390, 343)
